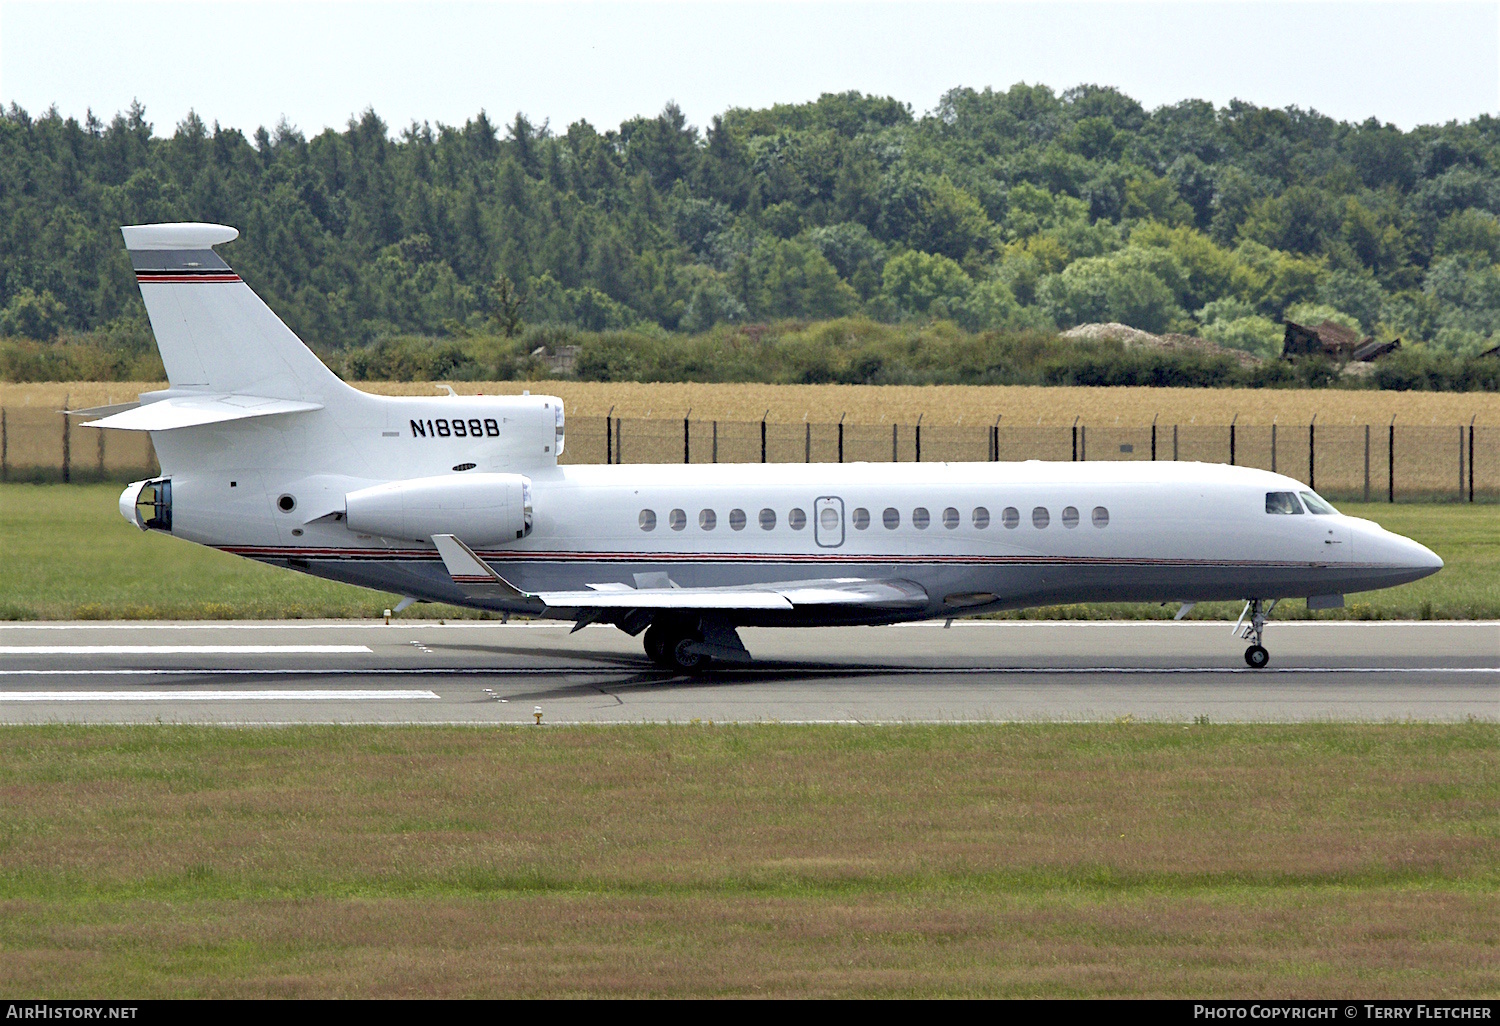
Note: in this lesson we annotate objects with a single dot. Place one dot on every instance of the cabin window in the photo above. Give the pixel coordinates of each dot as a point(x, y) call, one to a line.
point(707, 519)
point(950, 518)
point(677, 519)
point(861, 518)
point(1316, 504)
point(796, 520)
point(1282, 502)
point(920, 518)
point(736, 520)
point(648, 520)
point(1070, 517)
point(1040, 518)
point(981, 518)
point(829, 519)
point(1101, 516)
point(767, 519)
point(1011, 517)
point(891, 518)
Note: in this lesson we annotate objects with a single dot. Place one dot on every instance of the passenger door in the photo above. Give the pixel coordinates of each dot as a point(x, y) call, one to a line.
point(828, 521)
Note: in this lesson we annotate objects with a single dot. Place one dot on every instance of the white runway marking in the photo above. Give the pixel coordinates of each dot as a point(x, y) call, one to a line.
point(184, 649)
point(184, 695)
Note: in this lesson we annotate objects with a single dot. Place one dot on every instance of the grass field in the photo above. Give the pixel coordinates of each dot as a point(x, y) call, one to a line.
point(937, 404)
point(67, 554)
point(1128, 859)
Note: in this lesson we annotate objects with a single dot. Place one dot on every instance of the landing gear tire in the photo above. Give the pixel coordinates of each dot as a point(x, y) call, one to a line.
point(667, 646)
point(684, 661)
point(1256, 657)
point(656, 641)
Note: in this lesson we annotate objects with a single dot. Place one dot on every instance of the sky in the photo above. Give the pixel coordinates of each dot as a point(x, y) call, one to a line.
point(319, 63)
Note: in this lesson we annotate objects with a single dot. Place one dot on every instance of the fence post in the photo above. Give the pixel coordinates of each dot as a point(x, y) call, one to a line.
point(1312, 453)
point(1390, 451)
point(1367, 463)
point(4, 447)
point(609, 436)
point(763, 435)
point(995, 439)
point(1153, 437)
point(1174, 443)
point(1471, 457)
point(67, 463)
point(619, 440)
point(1075, 439)
point(1460, 463)
point(1232, 422)
point(893, 444)
point(686, 452)
point(919, 437)
point(716, 441)
point(841, 435)
point(807, 445)
point(1273, 445)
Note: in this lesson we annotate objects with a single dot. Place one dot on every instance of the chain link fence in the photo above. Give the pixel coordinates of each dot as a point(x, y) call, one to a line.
point(1368, 462)
point(1348, 461)
point(44, 445)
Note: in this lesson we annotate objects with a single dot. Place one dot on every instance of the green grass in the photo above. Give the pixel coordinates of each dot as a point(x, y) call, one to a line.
point(67, 554)
point(654, 860)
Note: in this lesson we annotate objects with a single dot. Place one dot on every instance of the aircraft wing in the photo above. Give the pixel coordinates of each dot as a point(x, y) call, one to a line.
point(478, 578)
point(192, 410)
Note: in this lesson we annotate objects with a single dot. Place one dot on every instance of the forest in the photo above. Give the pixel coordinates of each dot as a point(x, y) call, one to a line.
point(1000, 216)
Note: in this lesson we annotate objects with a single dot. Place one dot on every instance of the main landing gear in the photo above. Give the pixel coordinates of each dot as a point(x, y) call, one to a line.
point(1256, 656)
point(687, 646)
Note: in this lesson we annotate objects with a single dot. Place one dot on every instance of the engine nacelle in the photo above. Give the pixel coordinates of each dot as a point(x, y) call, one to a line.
point(482, 509)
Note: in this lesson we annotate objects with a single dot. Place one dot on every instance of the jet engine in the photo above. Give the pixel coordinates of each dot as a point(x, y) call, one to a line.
point(482, 509)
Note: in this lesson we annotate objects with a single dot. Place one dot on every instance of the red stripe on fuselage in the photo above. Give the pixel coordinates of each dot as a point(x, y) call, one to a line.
point(144, 277)
point(431, 556)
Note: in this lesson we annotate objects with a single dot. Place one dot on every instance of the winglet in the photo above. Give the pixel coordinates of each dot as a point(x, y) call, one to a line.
point(471, 572)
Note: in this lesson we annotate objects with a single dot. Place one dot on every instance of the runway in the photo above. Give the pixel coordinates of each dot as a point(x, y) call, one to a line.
point(490, 673)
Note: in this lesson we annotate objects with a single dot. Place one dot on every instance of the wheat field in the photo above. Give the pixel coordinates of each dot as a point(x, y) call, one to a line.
point(902, 404)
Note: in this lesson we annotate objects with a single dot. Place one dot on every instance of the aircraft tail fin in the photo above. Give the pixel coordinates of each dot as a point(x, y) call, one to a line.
point(214, 333)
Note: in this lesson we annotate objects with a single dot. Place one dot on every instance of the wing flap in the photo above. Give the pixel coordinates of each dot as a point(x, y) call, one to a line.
point(478, 579)
point(665, 598)
point(183, 411)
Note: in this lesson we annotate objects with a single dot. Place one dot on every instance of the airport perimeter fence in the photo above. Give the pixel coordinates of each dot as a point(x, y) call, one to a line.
point(1370, 462)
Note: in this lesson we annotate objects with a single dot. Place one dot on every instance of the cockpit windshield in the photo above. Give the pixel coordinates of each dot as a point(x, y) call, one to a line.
point(1283, 502)
point(1317, 504)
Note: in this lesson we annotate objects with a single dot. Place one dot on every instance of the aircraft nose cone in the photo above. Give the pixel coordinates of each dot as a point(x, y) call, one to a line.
point(1412, 555)
point(1428, 559)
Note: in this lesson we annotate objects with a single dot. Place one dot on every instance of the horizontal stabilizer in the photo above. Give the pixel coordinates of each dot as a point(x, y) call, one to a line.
point(102, 411)
point(194, 410)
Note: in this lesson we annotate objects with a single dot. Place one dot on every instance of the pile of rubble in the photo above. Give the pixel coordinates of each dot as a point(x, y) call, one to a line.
point(1334, 341)
point(1134, 338)
point(1328, 339)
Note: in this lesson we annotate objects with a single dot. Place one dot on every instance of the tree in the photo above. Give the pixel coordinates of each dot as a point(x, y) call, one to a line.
point(506, 303)
point(32, 316)
point(915, 281)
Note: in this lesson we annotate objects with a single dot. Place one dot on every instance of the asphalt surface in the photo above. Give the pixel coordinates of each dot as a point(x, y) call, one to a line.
point(491, 673)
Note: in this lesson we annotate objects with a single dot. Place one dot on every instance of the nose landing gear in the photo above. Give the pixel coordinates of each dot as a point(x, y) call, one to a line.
point(1256, 656)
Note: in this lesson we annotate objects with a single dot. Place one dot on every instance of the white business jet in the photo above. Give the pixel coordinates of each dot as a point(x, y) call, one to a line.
point(265, 453)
